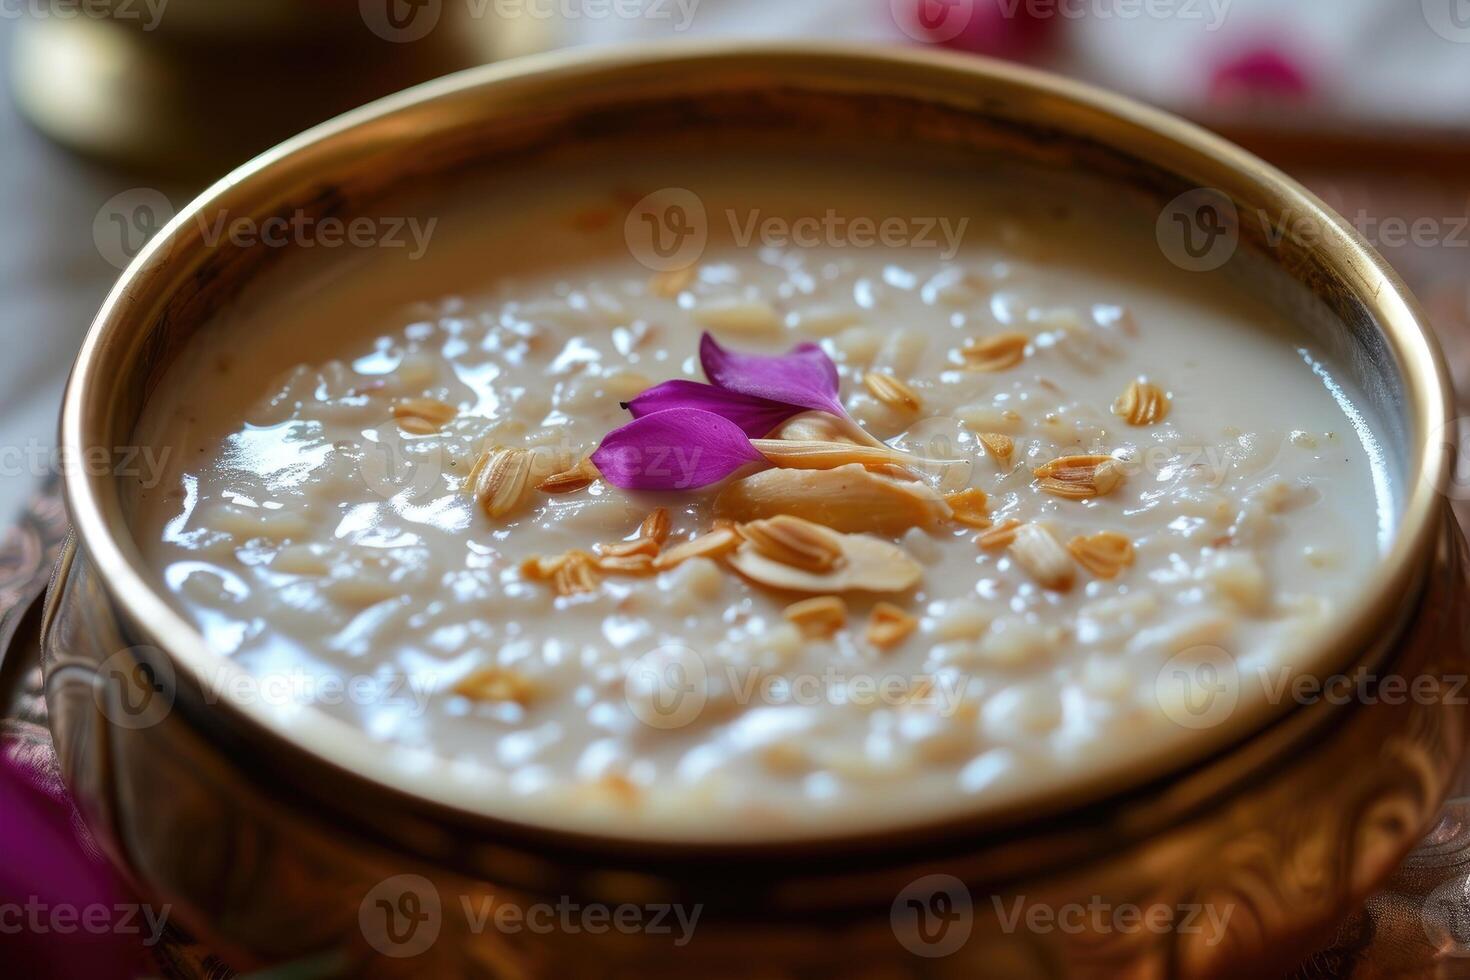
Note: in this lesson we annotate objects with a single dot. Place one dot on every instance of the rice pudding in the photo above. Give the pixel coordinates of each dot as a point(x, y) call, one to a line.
point(923, 487)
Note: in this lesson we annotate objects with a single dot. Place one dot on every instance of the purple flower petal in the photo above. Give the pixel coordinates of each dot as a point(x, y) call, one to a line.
point(802, 376)
point(46, 867)
point(676, 449)
point(755, 416)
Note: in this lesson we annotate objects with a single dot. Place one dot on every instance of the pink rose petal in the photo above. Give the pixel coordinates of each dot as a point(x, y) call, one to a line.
point(803, 376)
point(755, 416)
point(48, 871)
point(676, 449)
point(1261, 72)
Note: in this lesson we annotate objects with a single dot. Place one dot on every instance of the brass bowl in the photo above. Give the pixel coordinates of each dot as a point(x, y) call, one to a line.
point(283, 839)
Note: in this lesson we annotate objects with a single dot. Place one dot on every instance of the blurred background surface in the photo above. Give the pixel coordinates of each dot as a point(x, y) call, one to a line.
point(117, 112)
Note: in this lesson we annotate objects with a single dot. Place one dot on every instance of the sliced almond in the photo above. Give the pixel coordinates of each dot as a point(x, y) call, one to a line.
point(1000, 352)
point(649, 540)
point(541, 569)
point(848, 498)
point(670, 284)
point(1000, 446)
point(656, 526)
point(892, 392)
point(1080, 477)
point(888, 626)
point(1043, 558)
point(796, 542)
point(813, 455)
point(868, 564)
point(497, 684)
point(501, 480)
point(825, 427)
point(715, 544)
point(999, 536)
point(576, 575)
point(579, 477)
point(1104, 554)
point(1142, 404)
point(626, 564)
point(818, 617)
point(421, 416)
point(970, 507)
point(626, 549)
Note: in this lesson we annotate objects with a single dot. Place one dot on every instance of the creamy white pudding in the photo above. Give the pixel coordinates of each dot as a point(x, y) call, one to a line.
point(1102, 470)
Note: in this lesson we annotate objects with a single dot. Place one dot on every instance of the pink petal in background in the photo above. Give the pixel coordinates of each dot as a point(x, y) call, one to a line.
point(62, 908)
point(1015, 29)
point(1262, 72)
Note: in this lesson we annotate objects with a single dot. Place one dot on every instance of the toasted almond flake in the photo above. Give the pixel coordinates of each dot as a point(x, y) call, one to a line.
point(826, 427)
point(819, 616)
point(656, 526)
point(626, 564)
point(576, 575)
point(1104, 554)
point(720, 541)
point(848, 498)
point(999, 536)
point(814, 427)
point(1000, 352)
point(416, 426)
point(1000, 446)
point(579, 477)
point(649, 540)
point(1043, 557)
point(625, 549)
point(1142, 404)
point(813, 455)
point(1080, 477)
point(892, 392)
point(421, 416)
point(970, 507)
point(796, 542)
point(502, 478)
point(497, 684)
point(541, 569)
point(868, 564)
point(670, 284)
point(888, 626)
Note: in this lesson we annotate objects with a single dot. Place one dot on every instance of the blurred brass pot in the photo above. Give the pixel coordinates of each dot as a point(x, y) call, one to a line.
point(186, 88)
point(283, 839)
